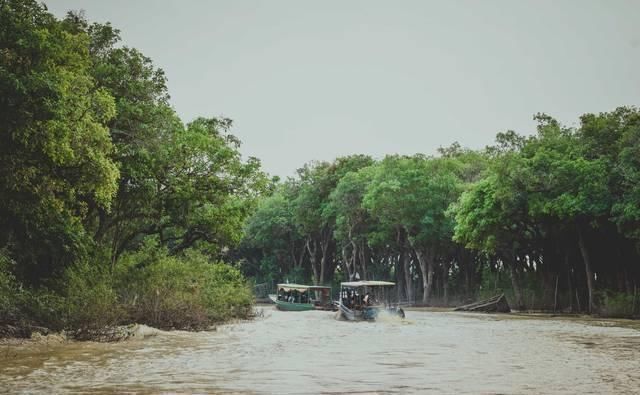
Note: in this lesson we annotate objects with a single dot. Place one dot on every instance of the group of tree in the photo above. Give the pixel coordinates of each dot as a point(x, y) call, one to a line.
point(94, 162)
point(102, 185)
point(552, 219)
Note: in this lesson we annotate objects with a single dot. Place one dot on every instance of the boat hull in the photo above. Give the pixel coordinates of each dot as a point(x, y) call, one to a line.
point(496, 304)
point(288, 306)
point(354, 314)
point(367, 314)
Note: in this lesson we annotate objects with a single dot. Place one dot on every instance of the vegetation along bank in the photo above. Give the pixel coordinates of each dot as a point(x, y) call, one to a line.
point(113, 210)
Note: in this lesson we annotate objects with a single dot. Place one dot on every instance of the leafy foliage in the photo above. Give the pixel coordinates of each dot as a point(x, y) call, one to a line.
point(95, 163)
point(186, 292)
point(55, 159)
point(551, 217)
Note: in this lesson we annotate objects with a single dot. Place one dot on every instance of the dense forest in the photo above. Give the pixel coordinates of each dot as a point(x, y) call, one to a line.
point(113, 210)
point(551, 219)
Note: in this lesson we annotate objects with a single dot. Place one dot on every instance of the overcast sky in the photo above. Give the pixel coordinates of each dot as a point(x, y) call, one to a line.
point(307, 80)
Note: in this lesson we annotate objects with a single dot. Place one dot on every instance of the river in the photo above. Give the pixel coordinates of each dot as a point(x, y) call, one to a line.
point(311, 352)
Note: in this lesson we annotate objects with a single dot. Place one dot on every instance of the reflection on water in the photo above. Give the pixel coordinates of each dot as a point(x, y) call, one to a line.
point(311, 352)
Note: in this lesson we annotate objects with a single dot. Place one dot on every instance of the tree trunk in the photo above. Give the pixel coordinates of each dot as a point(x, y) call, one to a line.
point(301, 259)
point(323, 266)
point(466, 266)
point(569, 281)
point(426, 267)
point(587, 268)
point(397, 262)
point(345, 263)
point(467, 280)
point(408, 281)
point(555, 295)
point(515, 284)
point(429, 284)
point(323, 261)
point(363, 261)
point(445, 282)
point(313, 258)
point(354, 260)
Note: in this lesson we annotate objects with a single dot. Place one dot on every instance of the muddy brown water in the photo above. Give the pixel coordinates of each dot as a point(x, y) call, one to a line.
point(311, 352)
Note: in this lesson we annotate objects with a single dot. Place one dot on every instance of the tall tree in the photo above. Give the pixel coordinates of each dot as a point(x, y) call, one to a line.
point(412, 195)
point(55, 159)
point(568, 186)
point(186, 185)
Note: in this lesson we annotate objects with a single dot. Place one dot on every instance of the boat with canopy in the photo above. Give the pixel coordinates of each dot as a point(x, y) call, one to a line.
point(365, 300)
point(300, 297)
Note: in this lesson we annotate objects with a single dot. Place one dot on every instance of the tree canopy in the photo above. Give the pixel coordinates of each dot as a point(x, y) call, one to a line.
point(96, 166)
point(558, 206)
point(95, 159)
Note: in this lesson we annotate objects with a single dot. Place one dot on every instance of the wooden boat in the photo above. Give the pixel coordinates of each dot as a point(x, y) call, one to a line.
point(365, 300)
point(496, 304)
point(299, 297)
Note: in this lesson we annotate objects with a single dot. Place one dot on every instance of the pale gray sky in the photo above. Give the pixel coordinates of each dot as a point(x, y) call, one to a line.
point(307, 80)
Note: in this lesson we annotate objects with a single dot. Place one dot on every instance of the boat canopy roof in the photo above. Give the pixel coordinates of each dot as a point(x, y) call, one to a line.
point(358, 284)
point(300, 287)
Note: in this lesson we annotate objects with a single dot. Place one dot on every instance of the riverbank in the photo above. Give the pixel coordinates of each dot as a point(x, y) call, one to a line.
point(117, 334)
point(40, 342)
point(630, 323)
point(15, 349)
point(149, 287)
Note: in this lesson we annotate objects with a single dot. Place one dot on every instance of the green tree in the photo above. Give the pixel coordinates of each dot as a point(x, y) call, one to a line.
point(55, 160)
point(411, 194)
point(272, 230)
point(568, 186)
point(353, 222)
point(187, 185)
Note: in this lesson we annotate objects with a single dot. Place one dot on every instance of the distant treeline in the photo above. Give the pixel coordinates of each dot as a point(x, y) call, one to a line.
point(552, 219)
point(111, 207)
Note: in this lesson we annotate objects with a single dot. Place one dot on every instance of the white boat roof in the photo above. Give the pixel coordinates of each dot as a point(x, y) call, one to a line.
point(356, 284)
point(290, 287)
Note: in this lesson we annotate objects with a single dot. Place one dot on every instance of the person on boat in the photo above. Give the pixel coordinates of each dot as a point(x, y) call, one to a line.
point(367, 299)
point(346, 298)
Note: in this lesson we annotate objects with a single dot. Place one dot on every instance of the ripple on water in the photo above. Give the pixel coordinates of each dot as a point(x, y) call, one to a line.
point(311, 352)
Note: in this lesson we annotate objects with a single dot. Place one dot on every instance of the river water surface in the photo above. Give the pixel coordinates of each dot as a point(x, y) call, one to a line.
point(311, 352)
